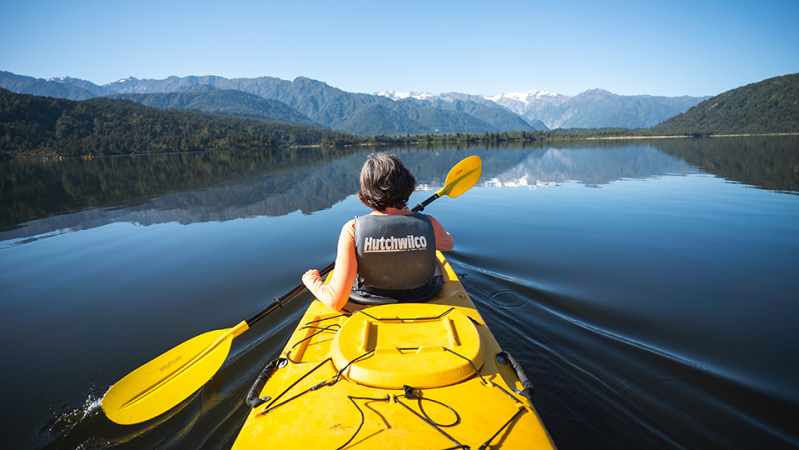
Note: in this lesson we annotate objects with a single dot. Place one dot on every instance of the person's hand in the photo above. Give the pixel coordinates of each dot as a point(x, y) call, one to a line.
point(310, 278)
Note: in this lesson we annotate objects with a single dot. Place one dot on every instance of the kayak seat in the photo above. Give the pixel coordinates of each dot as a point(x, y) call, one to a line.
point(420, 295)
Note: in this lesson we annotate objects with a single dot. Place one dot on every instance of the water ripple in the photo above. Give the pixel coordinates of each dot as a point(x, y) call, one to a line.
point(619, 391)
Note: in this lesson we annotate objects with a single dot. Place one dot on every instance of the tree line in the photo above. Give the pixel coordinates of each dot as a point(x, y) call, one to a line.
point(44, 126)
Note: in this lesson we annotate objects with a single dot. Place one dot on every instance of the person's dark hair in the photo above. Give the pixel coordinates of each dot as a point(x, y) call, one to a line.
point(385, 182)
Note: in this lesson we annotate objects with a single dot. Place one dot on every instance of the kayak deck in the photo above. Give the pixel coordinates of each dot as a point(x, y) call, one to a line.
point(394, 376)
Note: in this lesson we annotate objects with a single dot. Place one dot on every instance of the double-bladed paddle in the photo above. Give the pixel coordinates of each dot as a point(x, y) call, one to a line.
point(162, 383)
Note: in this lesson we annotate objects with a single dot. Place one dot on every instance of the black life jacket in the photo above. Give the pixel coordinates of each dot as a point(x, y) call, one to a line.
point(396, 257)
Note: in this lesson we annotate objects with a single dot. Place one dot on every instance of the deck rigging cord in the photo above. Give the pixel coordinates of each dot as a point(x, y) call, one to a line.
point(409, 392)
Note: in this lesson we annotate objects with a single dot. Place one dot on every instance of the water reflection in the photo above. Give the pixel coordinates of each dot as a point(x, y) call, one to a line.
point(44, 198)
point(767, 162)
point(34, 190)
point(592, 166)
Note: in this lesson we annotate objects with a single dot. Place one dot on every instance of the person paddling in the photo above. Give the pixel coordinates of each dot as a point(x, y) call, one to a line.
point(389, 254)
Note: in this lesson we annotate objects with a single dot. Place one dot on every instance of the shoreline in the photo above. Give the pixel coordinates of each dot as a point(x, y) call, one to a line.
point(688, 136)
point(415, 142)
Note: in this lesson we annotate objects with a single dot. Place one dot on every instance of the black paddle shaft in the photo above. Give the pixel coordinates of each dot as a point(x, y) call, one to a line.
point(280, 301)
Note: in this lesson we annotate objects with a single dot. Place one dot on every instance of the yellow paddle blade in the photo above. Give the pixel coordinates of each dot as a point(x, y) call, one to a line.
point(167, 380)
point(462, 177)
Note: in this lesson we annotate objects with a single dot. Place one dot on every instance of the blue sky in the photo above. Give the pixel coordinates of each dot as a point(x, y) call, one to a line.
point(668, 48)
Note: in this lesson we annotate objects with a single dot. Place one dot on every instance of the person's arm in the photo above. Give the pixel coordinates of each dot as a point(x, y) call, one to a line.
point(337, 292)
point(444, 240)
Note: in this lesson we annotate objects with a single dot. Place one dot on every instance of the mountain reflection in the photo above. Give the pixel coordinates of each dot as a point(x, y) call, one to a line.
point(591, 166)
point(39, 198)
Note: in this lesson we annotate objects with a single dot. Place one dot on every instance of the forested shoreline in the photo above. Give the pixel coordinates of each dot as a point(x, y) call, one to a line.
point(33, 126)
point(36, 126)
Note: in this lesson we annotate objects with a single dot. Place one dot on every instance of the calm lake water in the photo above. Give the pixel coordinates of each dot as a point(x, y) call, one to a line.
point(649, 288)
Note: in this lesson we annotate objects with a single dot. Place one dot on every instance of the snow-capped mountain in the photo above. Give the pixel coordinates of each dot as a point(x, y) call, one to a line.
point(595, 108)
point(518, 102)
point(393, 95)
point(523, 103)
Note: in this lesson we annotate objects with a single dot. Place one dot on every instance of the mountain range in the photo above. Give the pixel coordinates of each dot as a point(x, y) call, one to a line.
point(595, 108)
point(309, 102)
point(224, 102)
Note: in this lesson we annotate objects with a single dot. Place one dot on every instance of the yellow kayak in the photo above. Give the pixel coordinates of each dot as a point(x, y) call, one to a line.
point(396, 376)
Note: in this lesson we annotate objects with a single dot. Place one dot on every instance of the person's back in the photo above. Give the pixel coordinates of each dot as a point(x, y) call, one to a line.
point(391, 252)
point(396, 255)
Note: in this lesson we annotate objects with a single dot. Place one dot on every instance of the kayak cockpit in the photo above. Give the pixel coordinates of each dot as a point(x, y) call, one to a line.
point(421, 345)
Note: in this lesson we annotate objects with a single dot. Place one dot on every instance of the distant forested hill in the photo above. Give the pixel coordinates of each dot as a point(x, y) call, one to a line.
point(501, 119)
point(770, 106)
point(35, 86)
point(32, 125)
point(224, 102)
